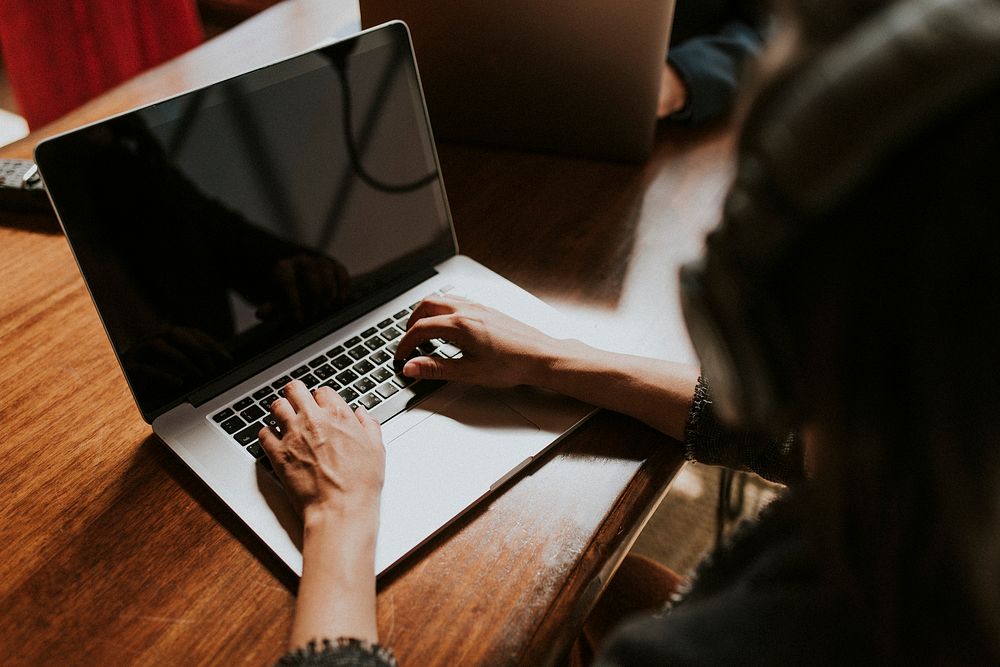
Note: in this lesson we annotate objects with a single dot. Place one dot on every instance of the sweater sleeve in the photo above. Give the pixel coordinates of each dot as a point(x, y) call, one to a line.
point(778, 458)
point(341, 653)
point(710, 67)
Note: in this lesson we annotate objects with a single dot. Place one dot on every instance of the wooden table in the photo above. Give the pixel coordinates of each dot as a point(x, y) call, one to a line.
point(113, 552)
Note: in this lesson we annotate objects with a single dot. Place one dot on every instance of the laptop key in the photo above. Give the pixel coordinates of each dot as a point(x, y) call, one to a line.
point(363, 367)
point(252, 414)
point(370, 401)
point(385, 323)
point(243, 403)
point(359, 352)
point(386, 390)
point(281, 382)
point(369, 332)
point(342, 362)
point(347, 377)
point(332, 384)
point(266, 402)
point(300, 371)
point(428, 347)
point(334, 351)
point(323, 372)
point(261, 393)
point(391, 334)
point(348, 394)
point(363, 385)
point(270, 420)
point(232, 425)
point(248, 434)
point(255, 450)
point(402, 381)
point(223, 415)
point(449, 350)
point(318, 361)
point(382, 374)
point(381, 357)
point(374, 343)
point(351, 342)
point(353, 406)
point(401, 314)
point(309, 380)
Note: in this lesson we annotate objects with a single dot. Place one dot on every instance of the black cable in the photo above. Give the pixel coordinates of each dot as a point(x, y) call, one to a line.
point(352, 148)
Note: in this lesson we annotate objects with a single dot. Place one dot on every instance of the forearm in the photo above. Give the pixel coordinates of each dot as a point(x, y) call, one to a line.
point(337, 590)
point(656, 392)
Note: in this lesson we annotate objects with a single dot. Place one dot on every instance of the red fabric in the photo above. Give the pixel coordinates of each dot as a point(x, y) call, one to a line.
point(59, 54)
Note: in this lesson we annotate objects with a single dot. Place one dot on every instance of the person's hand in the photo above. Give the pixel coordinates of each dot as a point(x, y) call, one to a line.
point(307, 287)
point(673, 92)
point(328, 458)
point(497, 350)
point(175, 358)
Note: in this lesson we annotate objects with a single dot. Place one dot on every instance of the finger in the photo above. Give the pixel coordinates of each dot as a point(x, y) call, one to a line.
point(440, 326)
point(283, 412)
point(328, 399)
point(429, 307)
point(270, 442)
point(369, 423)
point(298, 395)
point(435, 368)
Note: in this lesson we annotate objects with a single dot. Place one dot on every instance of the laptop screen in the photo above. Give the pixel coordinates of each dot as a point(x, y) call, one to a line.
point(237, 221)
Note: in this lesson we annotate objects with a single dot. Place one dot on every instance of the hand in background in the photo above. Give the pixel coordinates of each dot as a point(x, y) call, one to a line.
point(497, 350)
point(307, 287)
point(673, 92)
point(175, 358)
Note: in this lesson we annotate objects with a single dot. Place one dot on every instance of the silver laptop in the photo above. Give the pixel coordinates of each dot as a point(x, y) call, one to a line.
point(282, 224)
point(570, 76)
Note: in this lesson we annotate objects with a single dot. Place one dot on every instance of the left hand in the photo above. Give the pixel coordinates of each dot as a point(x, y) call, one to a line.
point(330, 460)
point(673, 92)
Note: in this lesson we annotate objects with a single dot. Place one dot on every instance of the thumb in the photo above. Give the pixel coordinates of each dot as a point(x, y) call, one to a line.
point(433, 368)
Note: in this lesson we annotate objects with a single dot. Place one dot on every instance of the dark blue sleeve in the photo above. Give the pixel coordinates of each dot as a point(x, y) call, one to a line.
point(710, 66)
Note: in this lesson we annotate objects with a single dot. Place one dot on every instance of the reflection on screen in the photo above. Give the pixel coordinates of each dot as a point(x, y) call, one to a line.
point(223, 223)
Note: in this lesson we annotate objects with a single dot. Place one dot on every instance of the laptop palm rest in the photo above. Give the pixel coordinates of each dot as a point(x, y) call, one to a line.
point(445, 463)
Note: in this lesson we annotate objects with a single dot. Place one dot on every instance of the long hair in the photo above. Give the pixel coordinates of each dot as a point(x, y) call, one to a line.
point(892, 298)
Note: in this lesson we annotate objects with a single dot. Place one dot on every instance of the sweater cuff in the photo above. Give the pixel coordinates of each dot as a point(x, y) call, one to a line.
point(344, 652)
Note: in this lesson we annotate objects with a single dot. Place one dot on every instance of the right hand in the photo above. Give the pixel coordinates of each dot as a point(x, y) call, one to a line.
point(497, 350)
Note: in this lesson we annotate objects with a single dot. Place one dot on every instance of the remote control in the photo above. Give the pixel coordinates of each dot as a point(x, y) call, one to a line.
point(21, 186)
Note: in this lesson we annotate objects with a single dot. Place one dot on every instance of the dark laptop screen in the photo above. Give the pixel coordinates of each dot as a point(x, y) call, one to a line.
point(253, 215)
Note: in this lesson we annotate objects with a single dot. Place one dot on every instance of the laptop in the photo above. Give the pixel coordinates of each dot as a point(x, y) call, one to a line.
point(283, 224)
point(580, 77)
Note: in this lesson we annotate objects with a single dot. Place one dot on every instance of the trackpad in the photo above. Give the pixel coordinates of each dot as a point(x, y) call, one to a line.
point(436, 469)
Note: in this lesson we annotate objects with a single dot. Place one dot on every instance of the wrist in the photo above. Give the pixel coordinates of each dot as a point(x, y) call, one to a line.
point(356, 525)
point(558, 361)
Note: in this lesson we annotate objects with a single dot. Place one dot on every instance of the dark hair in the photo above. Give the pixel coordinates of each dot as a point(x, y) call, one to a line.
point(891, 298)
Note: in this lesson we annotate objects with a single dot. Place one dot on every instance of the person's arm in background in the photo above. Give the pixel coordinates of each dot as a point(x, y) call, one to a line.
point(702, 73)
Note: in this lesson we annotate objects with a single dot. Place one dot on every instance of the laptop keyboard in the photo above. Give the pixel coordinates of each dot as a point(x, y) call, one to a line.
point(360, 369)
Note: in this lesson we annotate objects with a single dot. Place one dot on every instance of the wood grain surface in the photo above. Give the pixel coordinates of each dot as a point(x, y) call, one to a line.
point(115, 553)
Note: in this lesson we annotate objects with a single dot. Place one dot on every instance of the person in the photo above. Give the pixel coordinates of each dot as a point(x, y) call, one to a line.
point(711, 44)
point(846, 298)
